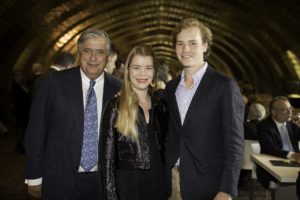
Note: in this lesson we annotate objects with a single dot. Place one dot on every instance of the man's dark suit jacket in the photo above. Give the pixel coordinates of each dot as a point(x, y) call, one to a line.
point(210, 141)
point(271, 143)
point(55, 131)
point(270, 140)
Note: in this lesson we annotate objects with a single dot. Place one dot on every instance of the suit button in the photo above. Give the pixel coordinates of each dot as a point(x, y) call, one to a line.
point(76, 168)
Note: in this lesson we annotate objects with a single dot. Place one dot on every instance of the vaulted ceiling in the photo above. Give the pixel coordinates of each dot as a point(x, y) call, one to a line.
point(257, 41)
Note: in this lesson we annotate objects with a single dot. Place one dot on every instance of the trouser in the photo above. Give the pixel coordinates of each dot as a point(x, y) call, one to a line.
point(88, 187)
point(175, 184)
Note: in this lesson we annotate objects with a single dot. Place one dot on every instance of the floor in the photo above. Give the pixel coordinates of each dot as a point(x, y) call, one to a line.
point(12, 185)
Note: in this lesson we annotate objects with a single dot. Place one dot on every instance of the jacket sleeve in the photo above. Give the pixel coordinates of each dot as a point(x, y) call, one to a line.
point(109, 152)
point(233, 134)
point(37, 129)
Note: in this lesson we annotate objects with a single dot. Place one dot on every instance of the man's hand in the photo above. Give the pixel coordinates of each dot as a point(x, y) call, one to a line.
point(296, 157)
point(35, 191)
point(222, 196)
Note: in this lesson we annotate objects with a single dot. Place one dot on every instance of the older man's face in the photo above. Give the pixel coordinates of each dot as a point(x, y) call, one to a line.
point(93, 54)
point(282, 111)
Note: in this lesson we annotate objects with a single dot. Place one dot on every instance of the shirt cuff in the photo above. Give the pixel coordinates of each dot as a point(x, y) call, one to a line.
point(33, 182)
point(289, 155)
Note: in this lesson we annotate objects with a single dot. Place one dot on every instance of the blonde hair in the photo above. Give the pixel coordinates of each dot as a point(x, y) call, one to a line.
point(128, 104)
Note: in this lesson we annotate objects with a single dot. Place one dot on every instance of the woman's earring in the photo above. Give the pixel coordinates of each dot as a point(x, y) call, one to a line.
point(152, 84)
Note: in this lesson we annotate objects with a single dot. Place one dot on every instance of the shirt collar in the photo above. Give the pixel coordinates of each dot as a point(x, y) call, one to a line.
point(86, 80)
point(278, 124)
point(197, 77)
point(56, 68)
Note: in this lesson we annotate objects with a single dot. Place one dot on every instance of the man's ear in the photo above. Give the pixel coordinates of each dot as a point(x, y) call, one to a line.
point(272, 112)
point(205, 45)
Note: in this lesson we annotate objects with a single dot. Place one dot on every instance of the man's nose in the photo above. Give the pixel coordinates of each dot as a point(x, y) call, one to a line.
point(93, 55)
point(186, 48)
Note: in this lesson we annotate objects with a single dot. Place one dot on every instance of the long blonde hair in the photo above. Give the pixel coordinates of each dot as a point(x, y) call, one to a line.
point(128, 104)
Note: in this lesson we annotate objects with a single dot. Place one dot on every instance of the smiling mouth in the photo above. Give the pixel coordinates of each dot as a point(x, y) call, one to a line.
point(142, 80)
point(93, 65)
point(184, 57)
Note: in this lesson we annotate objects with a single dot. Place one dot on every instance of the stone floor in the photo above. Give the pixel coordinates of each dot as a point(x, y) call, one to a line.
point(12, 185)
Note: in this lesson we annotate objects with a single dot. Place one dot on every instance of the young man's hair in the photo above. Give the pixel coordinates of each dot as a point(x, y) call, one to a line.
point(206, 34)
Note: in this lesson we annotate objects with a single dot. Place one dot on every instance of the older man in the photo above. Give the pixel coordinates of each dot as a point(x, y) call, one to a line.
point(278, 136)
point(63, 132)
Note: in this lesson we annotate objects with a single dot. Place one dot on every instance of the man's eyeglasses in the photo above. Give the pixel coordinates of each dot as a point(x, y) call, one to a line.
point(284, 110)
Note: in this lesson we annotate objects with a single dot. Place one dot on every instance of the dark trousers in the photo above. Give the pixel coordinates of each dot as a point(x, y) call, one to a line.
point(88, 187)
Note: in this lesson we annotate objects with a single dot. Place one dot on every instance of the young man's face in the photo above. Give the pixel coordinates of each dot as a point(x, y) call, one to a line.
point(190, 48)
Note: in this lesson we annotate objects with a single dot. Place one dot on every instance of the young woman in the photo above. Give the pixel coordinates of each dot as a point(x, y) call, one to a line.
point(133, 132)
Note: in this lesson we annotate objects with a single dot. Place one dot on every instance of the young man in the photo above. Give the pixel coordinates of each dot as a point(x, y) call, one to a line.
point(205, 138)
point(63, 131)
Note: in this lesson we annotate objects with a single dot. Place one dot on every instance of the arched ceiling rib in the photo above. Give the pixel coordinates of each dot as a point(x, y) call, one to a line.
point(251, 38)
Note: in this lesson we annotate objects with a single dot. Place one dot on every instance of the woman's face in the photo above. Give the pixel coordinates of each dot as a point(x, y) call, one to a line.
point(141, 72)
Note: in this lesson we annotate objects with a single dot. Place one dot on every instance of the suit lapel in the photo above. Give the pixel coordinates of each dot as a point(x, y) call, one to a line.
point(294, 141)
point(275, 131)
point(107, 91)
point(173, 101)
point(289, 129)
point(76, 100)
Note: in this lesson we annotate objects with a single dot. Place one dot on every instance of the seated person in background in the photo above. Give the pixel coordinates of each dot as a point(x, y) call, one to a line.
point(278, 136)
point(256, 113)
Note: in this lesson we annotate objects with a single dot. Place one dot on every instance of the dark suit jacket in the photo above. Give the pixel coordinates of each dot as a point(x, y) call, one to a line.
point(210, 142)
point(270, 140)
point(55, 131)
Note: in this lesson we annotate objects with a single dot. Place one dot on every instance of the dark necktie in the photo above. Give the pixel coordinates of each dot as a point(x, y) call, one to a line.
point(89, 151)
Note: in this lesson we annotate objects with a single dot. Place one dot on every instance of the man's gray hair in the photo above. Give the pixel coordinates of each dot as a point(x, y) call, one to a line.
point(256, 111)
point(275, 99)
point(94, 33)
